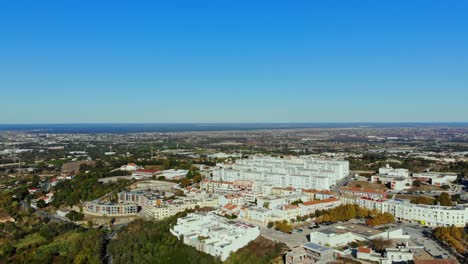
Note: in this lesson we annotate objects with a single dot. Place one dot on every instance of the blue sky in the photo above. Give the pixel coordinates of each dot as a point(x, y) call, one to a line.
point(233, 61)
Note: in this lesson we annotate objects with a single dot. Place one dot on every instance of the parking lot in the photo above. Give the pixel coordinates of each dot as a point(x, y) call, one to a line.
point(291, 240)
point(418, 238)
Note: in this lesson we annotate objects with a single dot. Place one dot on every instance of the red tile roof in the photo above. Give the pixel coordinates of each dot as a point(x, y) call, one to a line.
point(364, 250)
point(356, 189)
point(329, 200)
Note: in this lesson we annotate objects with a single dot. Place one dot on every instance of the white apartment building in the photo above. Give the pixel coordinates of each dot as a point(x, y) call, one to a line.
point(213, 234)
point(98, 208)
point(244, 186)
point(231, 198)
point(396, 183)
point(140, 198)
point(387, 170)
point(429, 215)
point(297, 172)
point(173, 207)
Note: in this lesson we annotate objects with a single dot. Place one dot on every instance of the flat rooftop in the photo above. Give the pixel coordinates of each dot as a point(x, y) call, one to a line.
point(358, 229)
point(316, 247)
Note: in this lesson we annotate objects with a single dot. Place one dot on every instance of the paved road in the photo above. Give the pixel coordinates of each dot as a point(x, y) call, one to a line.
point(431, 246)
point(342, 183)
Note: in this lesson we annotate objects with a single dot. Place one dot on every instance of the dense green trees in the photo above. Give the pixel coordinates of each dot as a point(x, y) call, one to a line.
point(75, 216)
point(83, 187)
point(151, 242)
point(32, 240)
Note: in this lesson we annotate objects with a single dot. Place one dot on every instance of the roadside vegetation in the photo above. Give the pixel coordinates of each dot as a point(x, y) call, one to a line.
point(33, 240)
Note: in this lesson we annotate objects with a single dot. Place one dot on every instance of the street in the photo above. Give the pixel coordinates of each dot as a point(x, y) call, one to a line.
point(418, 237)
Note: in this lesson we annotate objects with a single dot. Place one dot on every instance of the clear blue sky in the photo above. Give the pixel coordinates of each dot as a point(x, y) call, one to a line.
point(233, 61)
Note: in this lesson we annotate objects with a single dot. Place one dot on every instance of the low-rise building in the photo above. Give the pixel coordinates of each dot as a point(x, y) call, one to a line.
point(173, 174)
point(143, 174)
point(99, 208)
point(172, 207)
point(343, 234)
point(310, 253)
point(389, 171)
point(436, 178)
point(396, 183)
point(429, 215)
point(140, 198)
point(129, 167)
point(361, 192)
point(213, 234)
point(231, 198)
point(312, 206)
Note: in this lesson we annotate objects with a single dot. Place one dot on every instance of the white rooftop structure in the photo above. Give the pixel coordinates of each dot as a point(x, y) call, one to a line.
point(213, 234)
point(298, 172)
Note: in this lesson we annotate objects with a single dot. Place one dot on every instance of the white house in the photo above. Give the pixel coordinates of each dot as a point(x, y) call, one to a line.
point(213, 234)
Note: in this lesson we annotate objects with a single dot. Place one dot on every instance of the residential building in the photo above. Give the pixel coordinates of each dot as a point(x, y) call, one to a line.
point(346, 233)
point(129, 167)
point(429, 215)
point(213, 234)
point(173, 174)
point(361, 192)
point(231, 198)
point(297, 172)
point(141, 198)
point(310, 253)
point(172, 207)
point(389, 171)
point(397, 183)
point(98, 208)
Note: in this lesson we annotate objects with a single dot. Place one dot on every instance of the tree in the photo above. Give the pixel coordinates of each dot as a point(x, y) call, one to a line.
point(197, 178)
point(283, 226)
point(185, 182)
point(75, 216)
point(270, 224)
point(379, 244)
point(41, 204)
point(444, 199)
point(161, 178)
point(422, 200)
point(381, 219)
point(417, 183)
point(297, 202)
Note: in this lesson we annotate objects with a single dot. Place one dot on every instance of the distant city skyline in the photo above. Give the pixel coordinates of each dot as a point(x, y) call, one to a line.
point(233, 62)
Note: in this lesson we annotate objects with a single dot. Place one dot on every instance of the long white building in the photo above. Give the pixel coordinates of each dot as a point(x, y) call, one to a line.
point(429, 215)
point(213, 234)
point(297, 172)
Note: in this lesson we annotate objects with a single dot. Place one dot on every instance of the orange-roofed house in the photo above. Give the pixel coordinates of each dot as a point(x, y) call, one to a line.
point(368, 193)
point(312, 206)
